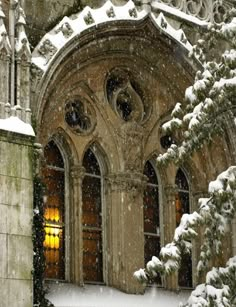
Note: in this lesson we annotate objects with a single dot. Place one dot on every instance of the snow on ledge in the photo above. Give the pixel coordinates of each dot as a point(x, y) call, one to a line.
point(75, 25)
point(14, 124)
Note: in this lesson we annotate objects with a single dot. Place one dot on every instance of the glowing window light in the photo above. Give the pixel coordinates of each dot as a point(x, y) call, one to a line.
point(52, 237)
point(53, 175)
point(52, 214)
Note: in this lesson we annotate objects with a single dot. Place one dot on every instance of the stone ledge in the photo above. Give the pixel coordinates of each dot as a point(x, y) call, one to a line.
point(16, 138)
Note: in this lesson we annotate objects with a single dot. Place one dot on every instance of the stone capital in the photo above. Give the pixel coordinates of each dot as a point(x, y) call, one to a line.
point(127, 182)
point(77, 172)
point(171, 189)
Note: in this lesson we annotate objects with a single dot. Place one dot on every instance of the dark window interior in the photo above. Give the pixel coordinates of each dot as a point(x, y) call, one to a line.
point(182, 207)
point(151, 216)
point(92, 220)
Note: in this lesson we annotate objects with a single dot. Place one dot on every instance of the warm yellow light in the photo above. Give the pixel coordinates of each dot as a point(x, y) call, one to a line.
point(52, 214)
point(56, 215)
point(56, 243)
point(52, 240)
point(46, 241)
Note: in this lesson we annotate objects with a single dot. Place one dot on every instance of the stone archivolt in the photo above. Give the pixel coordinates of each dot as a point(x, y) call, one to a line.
point(54, 41)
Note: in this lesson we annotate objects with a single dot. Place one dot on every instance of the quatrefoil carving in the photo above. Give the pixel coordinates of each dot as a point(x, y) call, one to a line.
point(80, 116)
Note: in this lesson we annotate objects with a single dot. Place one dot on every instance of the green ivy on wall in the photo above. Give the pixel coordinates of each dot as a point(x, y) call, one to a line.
point(38, 234)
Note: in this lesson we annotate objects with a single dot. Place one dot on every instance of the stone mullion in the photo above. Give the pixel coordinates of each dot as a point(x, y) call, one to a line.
point(115, 265)
point(127, 240)
point(171, 281)
point(18, 81)
point(77, 175)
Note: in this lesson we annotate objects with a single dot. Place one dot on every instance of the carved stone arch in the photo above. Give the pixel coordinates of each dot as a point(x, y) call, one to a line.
point(100, 154)
point(185, 172)
point(95, 180)
point(72, 44)
point(195, 179)
point(66, 146)
point(62, 193)
point(161, 171)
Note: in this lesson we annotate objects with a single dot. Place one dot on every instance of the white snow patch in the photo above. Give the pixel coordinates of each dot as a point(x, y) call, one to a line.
point(68, 295)
point(14, 124)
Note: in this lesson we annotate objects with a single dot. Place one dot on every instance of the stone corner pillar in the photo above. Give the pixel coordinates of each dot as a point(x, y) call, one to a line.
point(16, 212)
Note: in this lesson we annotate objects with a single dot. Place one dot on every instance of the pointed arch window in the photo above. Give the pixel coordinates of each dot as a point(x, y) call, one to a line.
point(151, 215)
point(54, 245)
point(182, 206)
point(92, 219)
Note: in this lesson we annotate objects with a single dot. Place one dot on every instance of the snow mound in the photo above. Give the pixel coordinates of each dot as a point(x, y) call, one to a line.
point(14, 124)
point(68, 295)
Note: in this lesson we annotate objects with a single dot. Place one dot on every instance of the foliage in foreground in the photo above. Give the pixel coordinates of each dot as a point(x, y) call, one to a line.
point(210, 102)
point(215, 213)
point(208, 106)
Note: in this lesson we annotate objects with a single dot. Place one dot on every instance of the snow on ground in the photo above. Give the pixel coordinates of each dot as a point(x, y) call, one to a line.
point(68, 295)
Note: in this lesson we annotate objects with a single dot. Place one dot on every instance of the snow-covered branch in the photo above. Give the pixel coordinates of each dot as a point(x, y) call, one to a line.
point(212, 95)
point(214, 214)
point(219, 289)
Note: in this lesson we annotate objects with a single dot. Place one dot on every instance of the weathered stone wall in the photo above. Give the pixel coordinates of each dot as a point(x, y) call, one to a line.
point(16, 201)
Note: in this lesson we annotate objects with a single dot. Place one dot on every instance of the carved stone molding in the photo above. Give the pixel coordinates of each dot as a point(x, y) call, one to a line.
point(170, 192)
point(65, 28)
point(128, 182)
point(47, 49)
point(77, 172)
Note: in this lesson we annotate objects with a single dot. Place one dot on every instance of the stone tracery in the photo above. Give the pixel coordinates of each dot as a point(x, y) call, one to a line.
point(208, 10)
point(125, 97)
point(79, 116)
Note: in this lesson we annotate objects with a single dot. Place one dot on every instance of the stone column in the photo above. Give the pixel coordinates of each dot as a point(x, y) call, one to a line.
point(126, 230)
point(16, 210)
point(169, 220)
point(77, 175)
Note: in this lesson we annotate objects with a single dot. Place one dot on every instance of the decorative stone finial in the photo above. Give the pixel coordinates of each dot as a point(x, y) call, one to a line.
point(21, 16)
point(22, 43)
point(4, 40)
